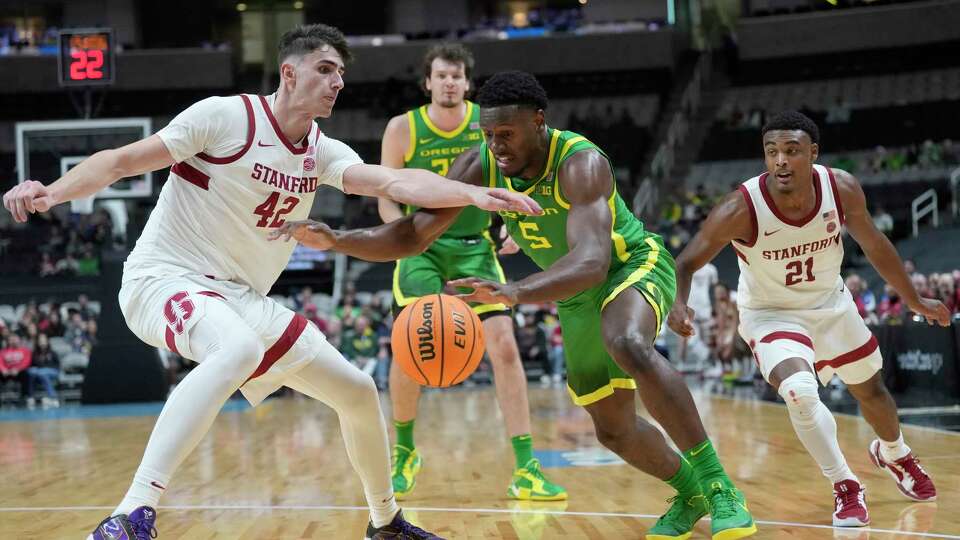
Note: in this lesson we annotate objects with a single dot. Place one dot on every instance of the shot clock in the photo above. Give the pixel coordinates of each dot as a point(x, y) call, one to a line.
point(86, 57)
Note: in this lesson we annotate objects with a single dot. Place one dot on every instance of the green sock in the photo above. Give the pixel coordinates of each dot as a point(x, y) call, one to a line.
point(405, 433)
point(685, 481)
point(522, 449)
point(707, 467)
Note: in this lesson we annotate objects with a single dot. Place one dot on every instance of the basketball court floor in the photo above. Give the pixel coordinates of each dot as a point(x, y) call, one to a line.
point(280, 471)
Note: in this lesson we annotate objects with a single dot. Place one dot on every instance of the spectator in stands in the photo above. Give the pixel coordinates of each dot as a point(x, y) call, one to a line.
point(91, 333)
point(334, 332)
point(361, 344)
point(532, 342)
point(67, 266)
point(310, 312)
point(930, 154)
point(302, 299)
point(14, 361)
point(883, 221)
point(4, 334)
point(838, 112)
point(47, 266)
point(88, 264)
point(30, 335)
point(863, 298)
point(83, 307)
point(555, 342)
point(726, 319)
point(944, 289)
point(909, 267)
point(51, 325)
point(45, 368)
point(922, 285)
point(890, 308)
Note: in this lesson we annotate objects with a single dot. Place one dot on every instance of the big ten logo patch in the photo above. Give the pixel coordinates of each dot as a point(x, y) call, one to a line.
point(177, 310)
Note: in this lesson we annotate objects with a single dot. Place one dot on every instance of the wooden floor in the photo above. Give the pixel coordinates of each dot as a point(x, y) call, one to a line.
point(280, 471)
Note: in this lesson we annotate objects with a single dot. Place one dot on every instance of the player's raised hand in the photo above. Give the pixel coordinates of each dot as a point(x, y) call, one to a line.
point(27, 198)
point(933, 310)
point(310, 233)
point(509, 246)
point(496, 199)
point(485, 291)
point(680, 319)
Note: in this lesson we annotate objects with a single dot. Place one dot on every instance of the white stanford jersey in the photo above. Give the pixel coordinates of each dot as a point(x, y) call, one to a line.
point(791, 264)
point(236, 179)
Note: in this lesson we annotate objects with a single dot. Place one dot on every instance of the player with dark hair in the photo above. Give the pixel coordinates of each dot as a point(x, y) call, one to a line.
point(614, 284)
point(785, 226)
point(431, 137)
point(197, 281)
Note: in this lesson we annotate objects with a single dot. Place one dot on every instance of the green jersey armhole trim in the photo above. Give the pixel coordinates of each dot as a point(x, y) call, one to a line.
point(412, 146)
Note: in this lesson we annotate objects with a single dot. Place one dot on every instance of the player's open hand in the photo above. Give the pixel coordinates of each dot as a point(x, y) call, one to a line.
point(27, 198)
point(485, 291)
point(497, 199)
point(933, 310)
point(509, 246)
point(310, 233)
point(680, 319)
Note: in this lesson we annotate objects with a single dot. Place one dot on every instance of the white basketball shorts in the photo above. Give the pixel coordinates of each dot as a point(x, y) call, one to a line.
point(162, 310)
point(832, 339)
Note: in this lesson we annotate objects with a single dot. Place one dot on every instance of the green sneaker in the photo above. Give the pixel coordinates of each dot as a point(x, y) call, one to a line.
point(677, 523)
point(529, 484)
point(406, 465)
point(729, 517)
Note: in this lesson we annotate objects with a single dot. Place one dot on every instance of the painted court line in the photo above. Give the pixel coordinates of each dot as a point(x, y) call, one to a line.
point(465, 511)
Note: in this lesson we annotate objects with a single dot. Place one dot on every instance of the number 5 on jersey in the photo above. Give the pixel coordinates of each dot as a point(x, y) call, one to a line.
point(536, 242)
point(268, 209)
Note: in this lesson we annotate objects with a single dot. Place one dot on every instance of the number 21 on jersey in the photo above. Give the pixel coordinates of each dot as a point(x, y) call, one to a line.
point(798, 272)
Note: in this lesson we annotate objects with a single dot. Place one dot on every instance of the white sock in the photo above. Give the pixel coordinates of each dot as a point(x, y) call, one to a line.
point(353, 395)
point(148, 485)
point(892, 451)
point(815, 425)
point(229, 351)
point(383, 507)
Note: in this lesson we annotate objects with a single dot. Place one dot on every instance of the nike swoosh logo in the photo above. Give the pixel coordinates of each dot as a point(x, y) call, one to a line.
point(770, 233)
point(425, 141)
point(259, 143)
point(701, 449)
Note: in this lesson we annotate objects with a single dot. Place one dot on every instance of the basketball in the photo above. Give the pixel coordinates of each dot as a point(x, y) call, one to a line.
point(438, 340)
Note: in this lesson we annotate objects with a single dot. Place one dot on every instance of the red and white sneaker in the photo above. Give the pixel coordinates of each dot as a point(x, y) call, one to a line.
point(851, 506)
point(912, 480)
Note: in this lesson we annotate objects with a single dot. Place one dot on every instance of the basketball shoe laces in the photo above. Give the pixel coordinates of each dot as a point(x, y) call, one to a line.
point(911, 464)
point(724, 503)
point(676, 510)
point(849, 498)
point(409, 531)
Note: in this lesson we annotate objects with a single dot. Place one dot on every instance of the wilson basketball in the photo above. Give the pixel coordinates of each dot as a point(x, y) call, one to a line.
point(438, 340)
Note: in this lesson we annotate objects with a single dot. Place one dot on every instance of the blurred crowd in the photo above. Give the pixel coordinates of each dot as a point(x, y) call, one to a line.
point(35, 340)
point(49, 245)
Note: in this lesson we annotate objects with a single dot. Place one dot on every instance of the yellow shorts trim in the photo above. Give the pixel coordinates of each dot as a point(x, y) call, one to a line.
point(636, 276)
point(602, 392)
point(487, 308)
point(398, 296)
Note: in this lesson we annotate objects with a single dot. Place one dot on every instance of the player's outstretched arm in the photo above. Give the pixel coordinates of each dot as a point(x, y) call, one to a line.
point(88, 177)
point(393, 146)
point(409, 235)
point(729, 220)
point(880, 252)
point(586, 182)
point(428, 190)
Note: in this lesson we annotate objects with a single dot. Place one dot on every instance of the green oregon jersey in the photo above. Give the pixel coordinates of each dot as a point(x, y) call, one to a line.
point(433, 149)
point(544, 238)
